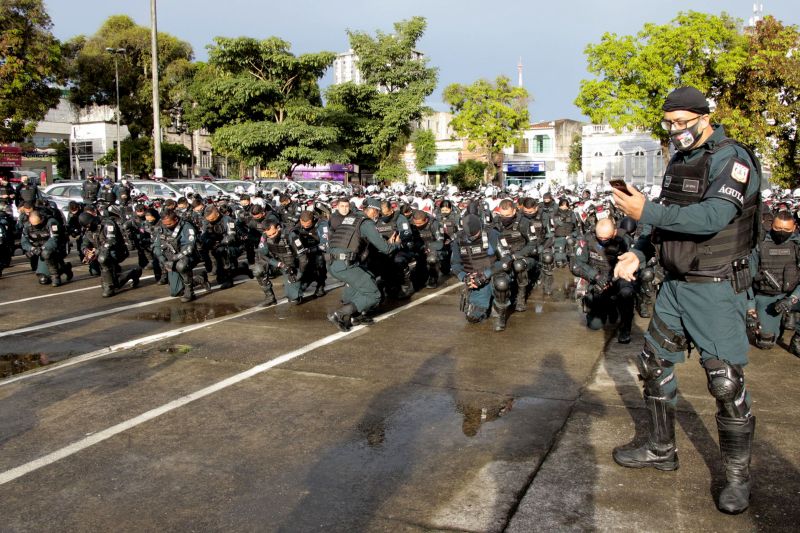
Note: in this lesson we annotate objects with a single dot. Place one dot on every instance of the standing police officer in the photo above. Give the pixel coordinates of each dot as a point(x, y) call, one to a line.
point(704, 227)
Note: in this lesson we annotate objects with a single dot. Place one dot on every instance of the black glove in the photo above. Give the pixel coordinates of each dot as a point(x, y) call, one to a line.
point(599, 283)
point(785, 305)
point(480, 279)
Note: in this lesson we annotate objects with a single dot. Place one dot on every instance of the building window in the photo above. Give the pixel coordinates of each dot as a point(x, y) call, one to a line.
point(205, 159)
point(618, 168)
point(658, 164)
point(83, 150)
point(639, 164)
point(541, 144)
point(522, 146)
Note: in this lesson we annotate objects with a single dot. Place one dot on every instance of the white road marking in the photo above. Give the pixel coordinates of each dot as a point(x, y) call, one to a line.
point(144, 341)
point(60, 293)
point(111, 311)
point(95, 438)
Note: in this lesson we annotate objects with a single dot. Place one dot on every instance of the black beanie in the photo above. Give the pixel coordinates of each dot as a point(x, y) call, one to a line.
point(686, 99)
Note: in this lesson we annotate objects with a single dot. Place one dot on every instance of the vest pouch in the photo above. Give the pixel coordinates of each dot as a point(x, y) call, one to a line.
point(742, 275)
point(789, 278)
point(679, 257)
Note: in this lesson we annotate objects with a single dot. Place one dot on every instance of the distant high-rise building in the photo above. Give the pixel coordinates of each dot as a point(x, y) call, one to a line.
point(519, 72)
point(758, 14)
point(345, 67)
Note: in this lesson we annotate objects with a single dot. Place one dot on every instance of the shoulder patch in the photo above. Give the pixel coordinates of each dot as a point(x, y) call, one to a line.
point(740, 172)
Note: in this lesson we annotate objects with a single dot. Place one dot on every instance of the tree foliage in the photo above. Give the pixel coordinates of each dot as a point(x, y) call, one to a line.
point(424, 142)
point(752, 76)
point(468, 175)
point(377, 115)
point(262, 103)
point(491, 116)
point(762, 105)
point(30, 67)
point(634, 74)
point(575, 154)
point(91, 70)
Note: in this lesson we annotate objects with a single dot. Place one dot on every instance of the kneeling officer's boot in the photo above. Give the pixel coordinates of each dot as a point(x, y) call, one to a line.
point(659, 451)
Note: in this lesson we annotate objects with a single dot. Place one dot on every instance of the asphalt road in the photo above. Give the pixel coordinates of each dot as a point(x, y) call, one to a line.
point(139, 413)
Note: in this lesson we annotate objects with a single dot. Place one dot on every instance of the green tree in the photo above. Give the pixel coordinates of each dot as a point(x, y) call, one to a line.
point(575, 154)
point(424, 143)
point(61, 158)
point(634, 74)
point(762, 105)
point(91, 70)
point(263, 105)
point(468, 175)
point(30, 67)
point(491, 116)
point(377, 115)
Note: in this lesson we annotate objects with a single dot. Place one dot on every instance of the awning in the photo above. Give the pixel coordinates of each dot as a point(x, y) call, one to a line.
point(438, 168)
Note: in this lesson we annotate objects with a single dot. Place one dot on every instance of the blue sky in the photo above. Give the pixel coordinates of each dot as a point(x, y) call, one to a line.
point(466, 39)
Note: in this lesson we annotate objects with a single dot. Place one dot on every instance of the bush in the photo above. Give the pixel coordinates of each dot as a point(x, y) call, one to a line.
point(468, 175)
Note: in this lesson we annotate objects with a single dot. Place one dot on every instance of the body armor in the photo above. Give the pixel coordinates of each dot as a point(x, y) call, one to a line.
point(387, 227)
point(778, 262)
point(566, 222)
point(347, 235)
point(686, 184)
point(475, 254)
point(279, 247)
point(512, 235)
point(90, 190)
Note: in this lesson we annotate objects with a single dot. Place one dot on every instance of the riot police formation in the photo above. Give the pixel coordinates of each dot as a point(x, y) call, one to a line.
point(388, 243)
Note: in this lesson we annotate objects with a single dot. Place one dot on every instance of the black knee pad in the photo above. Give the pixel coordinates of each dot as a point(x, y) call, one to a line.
point(432, 258)
point(520, 265)
point(656, 374)
point(726, 384)
point(626, 290)
point(576, 269)
point(182, 266)
point(548, 258)
point(647, 275)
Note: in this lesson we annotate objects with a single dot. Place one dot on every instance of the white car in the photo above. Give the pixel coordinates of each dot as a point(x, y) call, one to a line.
point(156, 189)
point(203, 188)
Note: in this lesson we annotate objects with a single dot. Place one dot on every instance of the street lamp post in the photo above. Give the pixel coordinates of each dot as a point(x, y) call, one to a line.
point(117, 51)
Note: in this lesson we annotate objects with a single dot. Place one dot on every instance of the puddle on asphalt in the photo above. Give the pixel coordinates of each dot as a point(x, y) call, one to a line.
point(190, 314)
point(475, 415)
point(17, 363)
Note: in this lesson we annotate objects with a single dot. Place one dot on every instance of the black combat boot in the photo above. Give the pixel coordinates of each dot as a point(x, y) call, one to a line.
point(68, 270)
point(320, 291)
point(108, 290)
point(341, 317)
point(789, 321)
point(735, 444)
point(794, 345)
point(57, 280)
point(624, 335)
point(406, 287)
point(547, 284)
point(188, 294)
point(269, 296)
point(202, 280)
point(659, 451)
point(500, 315)
point(520, 306)
point(44, 280)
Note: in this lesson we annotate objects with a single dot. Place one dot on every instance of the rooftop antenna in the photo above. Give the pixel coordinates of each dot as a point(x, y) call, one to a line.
point(758, 13)
point(519, 72)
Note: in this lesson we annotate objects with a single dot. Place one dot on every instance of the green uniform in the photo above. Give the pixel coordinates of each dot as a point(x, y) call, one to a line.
point(346, 263)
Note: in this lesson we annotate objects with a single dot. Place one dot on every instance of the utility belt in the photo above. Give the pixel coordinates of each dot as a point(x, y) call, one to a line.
point(740, 277)
point(347, 257)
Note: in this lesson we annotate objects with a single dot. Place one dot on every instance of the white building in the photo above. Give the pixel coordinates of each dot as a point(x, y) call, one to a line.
point(449, 150)
point(542, 153)
point(56, 125)
point(92, 136)
point(634, 156)
point(345, 67)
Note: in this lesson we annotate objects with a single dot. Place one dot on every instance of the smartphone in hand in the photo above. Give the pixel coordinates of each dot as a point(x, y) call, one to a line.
point(620, 185)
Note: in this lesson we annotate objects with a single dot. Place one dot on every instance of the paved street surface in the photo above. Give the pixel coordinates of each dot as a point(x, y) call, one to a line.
point(139, 413)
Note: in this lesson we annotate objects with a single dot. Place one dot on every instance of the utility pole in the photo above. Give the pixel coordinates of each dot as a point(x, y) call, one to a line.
point(157, 171)
point(117, 51)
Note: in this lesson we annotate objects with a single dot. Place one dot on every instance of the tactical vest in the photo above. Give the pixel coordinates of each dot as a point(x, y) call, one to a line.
point(308, 238)
point(280, 248)
point(39, 236)
point(387, 227)
point(603, 259)
point(514, 238)
point(347, 235)
point(6, 194)
point(567, 225)
point(474, 255)
point(686, 184)
point(90, 190)
point(425, 234)
point(449, 225)
point(779, 261)
point(171, 241)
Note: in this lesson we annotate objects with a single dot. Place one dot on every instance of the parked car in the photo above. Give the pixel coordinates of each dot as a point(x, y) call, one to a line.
point(203, 188)
point(156, 189)
point(71, 190)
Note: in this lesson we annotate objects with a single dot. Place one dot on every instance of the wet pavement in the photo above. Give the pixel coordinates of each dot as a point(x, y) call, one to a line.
point(225, 415)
